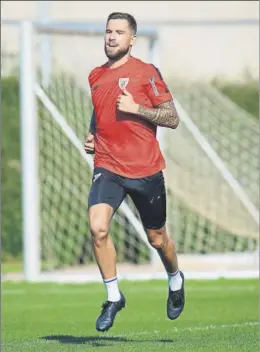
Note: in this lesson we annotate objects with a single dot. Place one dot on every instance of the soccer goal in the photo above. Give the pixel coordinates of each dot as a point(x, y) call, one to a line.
point(211, 214)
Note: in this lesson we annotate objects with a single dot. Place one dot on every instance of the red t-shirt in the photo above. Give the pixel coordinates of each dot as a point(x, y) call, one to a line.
point(125, 143)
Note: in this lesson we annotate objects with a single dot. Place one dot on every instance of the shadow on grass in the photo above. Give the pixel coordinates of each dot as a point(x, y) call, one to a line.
point(97, 341)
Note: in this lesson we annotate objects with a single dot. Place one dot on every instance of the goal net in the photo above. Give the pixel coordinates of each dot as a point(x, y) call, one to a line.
point(211, 170)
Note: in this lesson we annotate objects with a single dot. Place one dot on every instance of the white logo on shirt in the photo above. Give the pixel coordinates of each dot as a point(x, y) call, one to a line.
point(123, 82)
point(96, 177)
point(152, 81)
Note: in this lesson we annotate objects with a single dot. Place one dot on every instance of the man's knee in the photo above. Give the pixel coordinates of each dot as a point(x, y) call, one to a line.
point(99, 231)
point(99, 220)
point(157, 238)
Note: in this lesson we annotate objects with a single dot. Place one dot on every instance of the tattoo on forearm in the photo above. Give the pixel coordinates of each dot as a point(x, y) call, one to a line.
point(164, 115)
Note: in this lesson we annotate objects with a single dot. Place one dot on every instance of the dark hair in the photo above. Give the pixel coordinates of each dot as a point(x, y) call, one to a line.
point(124, 16)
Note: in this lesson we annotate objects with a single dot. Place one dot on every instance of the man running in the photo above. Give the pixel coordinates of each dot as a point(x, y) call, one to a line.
point(130, 100)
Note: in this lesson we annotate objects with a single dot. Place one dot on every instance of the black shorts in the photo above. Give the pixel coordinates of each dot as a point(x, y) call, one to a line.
point(148, 195)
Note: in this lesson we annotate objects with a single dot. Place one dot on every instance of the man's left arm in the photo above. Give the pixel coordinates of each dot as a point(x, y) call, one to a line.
point(164, 114)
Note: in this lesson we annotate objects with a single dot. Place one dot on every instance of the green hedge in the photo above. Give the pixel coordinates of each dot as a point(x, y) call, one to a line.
point(11, 170)
point(245, 95)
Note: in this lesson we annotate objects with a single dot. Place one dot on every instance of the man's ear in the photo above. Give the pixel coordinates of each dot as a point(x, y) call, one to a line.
point(133, 39)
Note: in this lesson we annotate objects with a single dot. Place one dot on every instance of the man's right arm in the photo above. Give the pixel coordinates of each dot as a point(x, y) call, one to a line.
point(90, 142)
point(92, 126)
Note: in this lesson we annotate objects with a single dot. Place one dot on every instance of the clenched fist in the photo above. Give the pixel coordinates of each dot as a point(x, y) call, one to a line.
point(89, 145)
point(125, 102)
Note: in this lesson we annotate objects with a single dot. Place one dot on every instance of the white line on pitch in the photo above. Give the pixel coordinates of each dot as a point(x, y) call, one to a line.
point(152, 333)
point(192, 329)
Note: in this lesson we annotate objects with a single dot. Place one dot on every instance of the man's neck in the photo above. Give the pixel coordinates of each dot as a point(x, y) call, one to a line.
point(114, 64)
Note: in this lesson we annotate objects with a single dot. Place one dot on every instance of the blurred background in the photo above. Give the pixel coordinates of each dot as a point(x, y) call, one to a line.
point(198, 39)
point(208, 53)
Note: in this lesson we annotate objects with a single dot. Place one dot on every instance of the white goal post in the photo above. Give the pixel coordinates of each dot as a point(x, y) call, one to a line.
point(32, 91)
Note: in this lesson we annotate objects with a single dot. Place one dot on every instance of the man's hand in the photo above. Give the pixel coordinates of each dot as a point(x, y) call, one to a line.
point(90, 144)
point(164, 114)
point(126, 103)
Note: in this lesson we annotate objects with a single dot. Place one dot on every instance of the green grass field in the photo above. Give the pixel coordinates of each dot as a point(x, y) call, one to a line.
point(220, 315)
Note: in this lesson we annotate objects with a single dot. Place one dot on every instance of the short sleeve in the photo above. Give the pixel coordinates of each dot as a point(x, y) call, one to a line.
point(90, 77)
point(155, 87)
point(93, 75)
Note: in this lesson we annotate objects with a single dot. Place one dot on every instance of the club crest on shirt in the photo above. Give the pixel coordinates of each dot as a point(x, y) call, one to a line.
point(152, 81)
point(123, 82)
